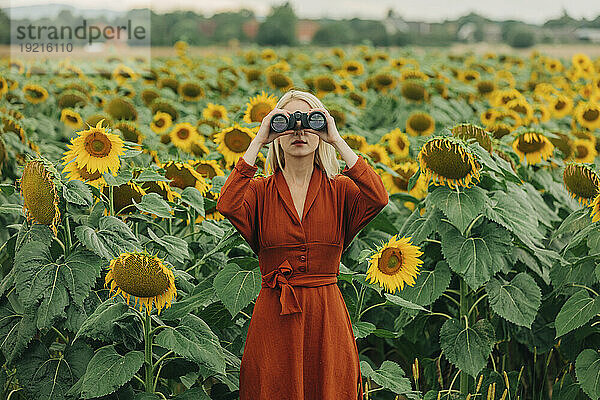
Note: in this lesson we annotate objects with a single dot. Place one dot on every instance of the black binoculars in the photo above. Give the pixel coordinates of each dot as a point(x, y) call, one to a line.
point(314, 120)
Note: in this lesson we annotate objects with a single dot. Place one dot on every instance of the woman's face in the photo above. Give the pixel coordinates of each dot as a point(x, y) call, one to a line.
point(310, 141)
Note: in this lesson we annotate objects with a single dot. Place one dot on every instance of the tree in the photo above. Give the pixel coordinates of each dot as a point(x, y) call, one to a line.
point(279, 27)
point(4, 28)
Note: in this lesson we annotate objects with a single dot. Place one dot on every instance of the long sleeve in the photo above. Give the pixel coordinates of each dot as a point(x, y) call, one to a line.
point(365, 196)
point(239, 199)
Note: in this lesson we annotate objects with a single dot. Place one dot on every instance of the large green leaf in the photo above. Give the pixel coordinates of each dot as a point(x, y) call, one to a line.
point(195, 393)
point(516, 301)
point(153, 203)
point(201, 296)
point(16, 330)
point(77, 192)
point(467, 348)
point(45, 377)
point(587, 369)
point(460, 206)
point(108, 370)
point(49, 283)
point(100, 325)
point(194, 340)
point(478, 257)
point(419, 227)
point(236, 288)
point(362, 329)
point(194, 198)
point(403, 302)
point(576, 312)
point(428, 286)
point(390, 376)
point(174, 247)
point(111, 239)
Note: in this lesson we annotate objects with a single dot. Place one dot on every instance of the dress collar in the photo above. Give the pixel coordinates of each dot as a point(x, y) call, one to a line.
point(284, 191)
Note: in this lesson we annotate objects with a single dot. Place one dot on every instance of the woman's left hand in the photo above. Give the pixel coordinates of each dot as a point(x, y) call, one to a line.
point(331, 135)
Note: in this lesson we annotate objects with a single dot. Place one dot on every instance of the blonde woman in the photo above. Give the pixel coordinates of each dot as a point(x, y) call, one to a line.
point(299, 220)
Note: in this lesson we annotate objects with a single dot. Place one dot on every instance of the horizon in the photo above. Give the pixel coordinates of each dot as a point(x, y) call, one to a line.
point(424, 11)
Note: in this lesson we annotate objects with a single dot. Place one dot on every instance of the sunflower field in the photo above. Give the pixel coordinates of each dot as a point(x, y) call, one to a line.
point(479, 280)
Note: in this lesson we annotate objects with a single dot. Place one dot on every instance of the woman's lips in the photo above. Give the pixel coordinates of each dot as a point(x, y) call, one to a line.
point(298, 143)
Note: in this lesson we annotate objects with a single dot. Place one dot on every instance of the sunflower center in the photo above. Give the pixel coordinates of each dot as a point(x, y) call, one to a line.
point(582, 151)
point(581, 182)
point(181, 178)
point(160, 123)
point(413, 91)
point(39, 193)
point(237, 141)
point(280, 80)
point(259, 111)
point(401, 181)
point(140, 276)
point(390, 261)
point(98, 145)
point(591, 115)
point(530, 146)
point(84, 173)
point(206, 171)
point(36, 93)
point(447, 160)
point(183, 134)
point(72, 118)
point(420, 123)
point(560, 105)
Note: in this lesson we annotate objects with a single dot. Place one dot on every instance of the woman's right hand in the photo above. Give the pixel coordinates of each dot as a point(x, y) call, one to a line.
point(265, 135)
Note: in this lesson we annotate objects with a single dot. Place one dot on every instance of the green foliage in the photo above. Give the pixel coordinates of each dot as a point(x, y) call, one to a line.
point(236, 287)
point(389, 375)
point(279, 28)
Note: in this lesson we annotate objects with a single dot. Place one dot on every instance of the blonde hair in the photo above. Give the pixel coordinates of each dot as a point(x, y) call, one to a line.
point(325, 157)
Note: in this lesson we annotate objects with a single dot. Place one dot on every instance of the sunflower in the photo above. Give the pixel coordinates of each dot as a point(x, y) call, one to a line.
point(11, 125)
point(82, 174)
point(532, 146)
point(541, 113)
point(191, 91)
point(208, 168)
point(35, 94)
point(488, 117)
point(486, 88)
point(399, 184)
point(71, 118)
point(415, 91)
point(161, 122)
point(420, 124)
point(395, 264)
point(470, 131)
point(95, 149)
point(122, 73)
point(183, 175)
point(164, 105)
point(121, 108)
point(353, 67)
point(503, 96)
point(384, 81)
point(588, 115)
point(168, 82)
point(355, 142)
point(377, 153)
point(148, 96)
point(130, 132)
point(233, 142)
point(39, 191)
point(161, 188)
point(123, 197)
point(199, 149)
point(582, 183)
point(561, 106)
point(143, 277)
point(413, 74)
point(397, 142)
point(585, 151)
point(596, 209)
point(3, 86)
point(215, 111)
point(258, 107)
point(357, 99)
point(93, 120)
point(252, 74)
point(522, 107)
point(325, 84)
point(280, 81)
point(183, 135)
point(448, 162)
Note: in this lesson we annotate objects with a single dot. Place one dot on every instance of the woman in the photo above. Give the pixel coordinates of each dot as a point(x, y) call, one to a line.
point(298, 220)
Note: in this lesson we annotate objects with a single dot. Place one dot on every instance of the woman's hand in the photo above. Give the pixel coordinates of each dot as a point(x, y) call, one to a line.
point(265, 135)
point(330, 136)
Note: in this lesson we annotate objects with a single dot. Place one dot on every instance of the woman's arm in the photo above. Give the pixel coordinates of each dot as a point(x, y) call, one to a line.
point(239, 196)
point(365, 195)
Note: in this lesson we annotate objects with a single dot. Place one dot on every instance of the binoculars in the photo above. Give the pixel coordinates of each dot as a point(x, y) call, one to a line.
point(314, 120)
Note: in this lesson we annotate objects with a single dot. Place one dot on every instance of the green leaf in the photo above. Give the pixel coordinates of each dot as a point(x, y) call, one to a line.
point(100, 324)
point(419, 227)
point(587, 369)
point(467, 348)
point(194, 340)
point(108, 370)
point(122, 178)
point(46, 377)
point(111, 239)
point(16, 330)
point(153, 203)
point(148, 175)
point(567, 389)
point(194, 198)
point(202, 295)
point(403, 303)
point(428, 286)
point(576, 312)
point(390, 376)
point(362, 329)
point(516, 301)
point(478, 257)
point(460, 206)
point(77, 192)
point(195, 393)
point(413, 180)
point(174, 246)
point(236, 288)
point(40, 279)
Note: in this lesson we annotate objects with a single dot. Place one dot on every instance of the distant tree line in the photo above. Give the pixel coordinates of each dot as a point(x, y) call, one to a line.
point(281, 26)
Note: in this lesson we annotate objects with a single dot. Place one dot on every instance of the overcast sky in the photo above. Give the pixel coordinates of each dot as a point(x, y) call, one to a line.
point(533, 11)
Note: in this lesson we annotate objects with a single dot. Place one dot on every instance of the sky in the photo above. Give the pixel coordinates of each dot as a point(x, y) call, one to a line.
point(531, 11)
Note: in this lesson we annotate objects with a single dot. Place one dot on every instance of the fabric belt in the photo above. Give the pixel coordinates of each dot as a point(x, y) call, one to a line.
point(279, 278)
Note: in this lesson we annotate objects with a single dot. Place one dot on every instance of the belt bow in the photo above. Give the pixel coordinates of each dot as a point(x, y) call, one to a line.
point(279, 277)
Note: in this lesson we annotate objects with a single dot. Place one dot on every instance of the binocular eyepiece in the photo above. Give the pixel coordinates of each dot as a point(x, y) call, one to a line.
point(314, 120)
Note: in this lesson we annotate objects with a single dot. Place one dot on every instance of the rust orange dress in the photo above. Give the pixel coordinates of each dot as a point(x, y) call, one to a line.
point(300, 344)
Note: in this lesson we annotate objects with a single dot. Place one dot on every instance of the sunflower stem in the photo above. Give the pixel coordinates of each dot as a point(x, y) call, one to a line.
point(68, 236)
point(371, 307)
point(464, 313)
point(149, 382)
point(111, 204)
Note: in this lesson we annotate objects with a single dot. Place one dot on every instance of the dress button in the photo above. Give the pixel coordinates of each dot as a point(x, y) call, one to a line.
point(303, 268)
point(303, 248)
point(303, 257)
